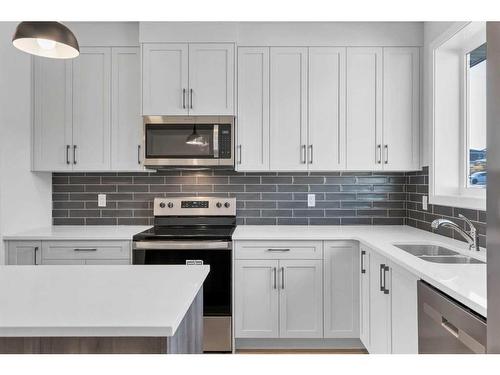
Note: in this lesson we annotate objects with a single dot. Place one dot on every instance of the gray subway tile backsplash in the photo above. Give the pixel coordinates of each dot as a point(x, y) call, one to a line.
point(267, 198)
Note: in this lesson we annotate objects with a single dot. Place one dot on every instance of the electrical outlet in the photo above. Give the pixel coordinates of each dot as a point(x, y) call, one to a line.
point(424, 202)
point(101, 200)
point(311, 200)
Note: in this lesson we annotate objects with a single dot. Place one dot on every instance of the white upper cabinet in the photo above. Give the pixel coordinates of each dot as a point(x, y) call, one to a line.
point(401, 108)
point(288, 109)
point(165, 79)
point(364, 108)
point(52, 125)
point(211, 79)
point(91, 109)
point(301, 298)
point(194, 79)
point(253, 109)
point(341, 289)
point(327, 79)
point(126, 120)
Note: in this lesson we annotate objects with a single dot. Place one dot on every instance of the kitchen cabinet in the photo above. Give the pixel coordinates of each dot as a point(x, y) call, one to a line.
point(23, 252)
point(364, 108)
point(92, 109)
point(326, 109)
point(126, 120)
point(194, 79)
point(288, 109)
point(401, 108)
point(364, 296)
point(52, 113)
point(253, 109)
point(256, 298)
point(341, 289)
point(278, 289)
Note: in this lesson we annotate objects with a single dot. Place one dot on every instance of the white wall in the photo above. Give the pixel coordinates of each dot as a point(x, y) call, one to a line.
point(25, 197)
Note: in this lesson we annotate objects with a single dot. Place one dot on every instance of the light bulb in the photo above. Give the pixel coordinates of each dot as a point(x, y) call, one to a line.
point(46, 43)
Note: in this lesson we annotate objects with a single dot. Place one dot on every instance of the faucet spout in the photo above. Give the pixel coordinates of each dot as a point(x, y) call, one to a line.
point(470, 236)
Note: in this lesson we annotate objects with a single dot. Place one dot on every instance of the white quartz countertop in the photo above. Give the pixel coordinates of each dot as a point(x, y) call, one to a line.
point(96, 300)
point(464, 282)
point(79, 232)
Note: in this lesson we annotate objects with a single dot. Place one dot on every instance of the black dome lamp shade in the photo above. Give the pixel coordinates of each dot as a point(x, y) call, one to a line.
point(46, 39)
point(196, 139)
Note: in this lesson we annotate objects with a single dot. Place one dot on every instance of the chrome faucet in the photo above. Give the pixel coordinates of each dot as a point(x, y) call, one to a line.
point(470, 236)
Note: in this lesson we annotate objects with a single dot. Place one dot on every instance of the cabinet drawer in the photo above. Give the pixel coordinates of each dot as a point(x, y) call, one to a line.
point(278, 250)
point(85, 250)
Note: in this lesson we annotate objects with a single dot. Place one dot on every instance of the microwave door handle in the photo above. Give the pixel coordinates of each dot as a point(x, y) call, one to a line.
point(216, 141)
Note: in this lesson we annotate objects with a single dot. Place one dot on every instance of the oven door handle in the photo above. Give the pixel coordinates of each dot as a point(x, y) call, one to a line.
point(182, 245)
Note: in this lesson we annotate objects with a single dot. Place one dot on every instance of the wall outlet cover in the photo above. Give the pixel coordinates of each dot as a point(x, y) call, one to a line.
point(101, 200)
point(311, 200)
point(424, 202)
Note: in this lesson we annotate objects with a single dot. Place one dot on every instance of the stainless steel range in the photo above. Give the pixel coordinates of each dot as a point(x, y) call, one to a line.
point(190, 231)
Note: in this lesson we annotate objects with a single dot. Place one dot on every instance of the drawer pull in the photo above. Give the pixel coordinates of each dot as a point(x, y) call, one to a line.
point(278, 250)
point(85, 249)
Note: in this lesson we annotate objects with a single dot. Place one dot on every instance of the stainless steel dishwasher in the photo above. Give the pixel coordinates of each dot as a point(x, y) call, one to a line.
point(445, 326)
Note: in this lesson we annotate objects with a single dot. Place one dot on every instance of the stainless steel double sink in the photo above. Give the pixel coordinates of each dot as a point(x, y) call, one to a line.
point(437, 254)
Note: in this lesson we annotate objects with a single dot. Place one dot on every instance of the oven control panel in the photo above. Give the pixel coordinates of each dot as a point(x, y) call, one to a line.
point(195, 206)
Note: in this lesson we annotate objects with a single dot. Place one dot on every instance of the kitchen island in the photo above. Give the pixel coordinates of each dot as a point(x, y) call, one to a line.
point(101, 309)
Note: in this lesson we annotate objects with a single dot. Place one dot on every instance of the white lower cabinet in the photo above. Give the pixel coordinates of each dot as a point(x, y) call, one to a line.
point(23, 252)
point(388, 306)
point(341, 289)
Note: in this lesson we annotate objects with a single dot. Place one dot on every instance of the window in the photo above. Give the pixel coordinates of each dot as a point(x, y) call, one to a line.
point(475, 107)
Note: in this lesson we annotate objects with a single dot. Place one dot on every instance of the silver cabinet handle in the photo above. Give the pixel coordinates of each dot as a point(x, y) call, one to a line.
point(139, 154)
point(310, 154)
point(183, 98)
point(191, 98)
point(303, 154)
point(74, 154)
point(278, 250)
point(386, 148)
point(274, 276)
point(239, 154)
point(363, 253)
point(381, 272)
point(282, 277)
point(379, 154)
point(34, 255)
point(79, 249)
point(67, 154)
point(386, 268)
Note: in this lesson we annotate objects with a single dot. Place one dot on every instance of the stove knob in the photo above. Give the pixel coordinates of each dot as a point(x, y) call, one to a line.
point(170, 205)
point(227, 205)
point(219, 204)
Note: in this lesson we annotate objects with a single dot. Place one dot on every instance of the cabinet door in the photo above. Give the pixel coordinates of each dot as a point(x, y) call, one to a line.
point(52, 125)
point(23, 252)
point(63, 262)
point(364, 108)
point(380, 306)
point(404, 305)
point(401, 108)
point(91, 109)
point(256, 298)
point(364, 291)
point(126, 120)
point(165, 79)
point(326, 149)
point(107, 261)
point(211, 79)
point(288, 95)
point(301, 298)
point(341, 289)
point(253, 109)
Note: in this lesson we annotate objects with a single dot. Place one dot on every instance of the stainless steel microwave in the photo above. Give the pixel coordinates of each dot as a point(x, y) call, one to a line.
point(188, 141)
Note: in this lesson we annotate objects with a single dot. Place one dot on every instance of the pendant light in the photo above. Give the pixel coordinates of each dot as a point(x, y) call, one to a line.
point(196, 139)
point(46, 39)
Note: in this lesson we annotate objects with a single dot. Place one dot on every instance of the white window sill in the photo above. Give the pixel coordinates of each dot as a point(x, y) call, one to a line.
point(461, 201)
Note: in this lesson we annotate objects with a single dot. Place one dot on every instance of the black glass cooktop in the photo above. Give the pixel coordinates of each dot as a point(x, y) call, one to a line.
point(185, 233)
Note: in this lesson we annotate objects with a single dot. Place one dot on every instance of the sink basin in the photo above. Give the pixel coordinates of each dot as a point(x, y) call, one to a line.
point(457, 259)
point(437, 254)
point(424, 249)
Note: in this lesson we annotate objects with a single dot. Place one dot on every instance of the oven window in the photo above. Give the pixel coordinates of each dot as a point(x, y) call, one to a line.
point(179, 141)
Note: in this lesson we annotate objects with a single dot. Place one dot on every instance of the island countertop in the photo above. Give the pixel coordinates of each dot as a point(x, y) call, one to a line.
point(96, 300)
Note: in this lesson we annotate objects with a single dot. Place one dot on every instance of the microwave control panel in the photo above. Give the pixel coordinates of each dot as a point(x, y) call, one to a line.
point(225, 141)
